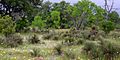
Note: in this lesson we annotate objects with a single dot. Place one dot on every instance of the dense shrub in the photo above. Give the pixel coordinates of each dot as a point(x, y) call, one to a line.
point(107, 26)
point(34, 39)
point(38, 22)
point(7, 25)
point(64, 35)
point(21, 25)
point(72, 34)
point(101, 50)
point(93, 49)
point(52, 36)
point(74, 37)
point(110, 50)
point(55, 16)
point(13, 40)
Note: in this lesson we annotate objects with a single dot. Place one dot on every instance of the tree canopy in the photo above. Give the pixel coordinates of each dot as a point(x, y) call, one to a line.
point(45, 14)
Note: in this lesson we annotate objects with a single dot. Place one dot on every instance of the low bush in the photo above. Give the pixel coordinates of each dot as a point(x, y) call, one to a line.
point(47, 36)
point(101, 33)
point(1, 41)
point(110, 50)
point(85, 34)
point(73, 34)
point(69, 41)
point(34, 39)
point(101, 50)
point(52, 36)
point(44, 31)
point(13, 40)
point(70, 54)
point(118, 26)
point(73, 41)
point(107, 26)
point(115, 35)
point(56, 37)
point(80, 41)
point(35, 52)
point(58, 50)
point(64, 35)
point(93, 50)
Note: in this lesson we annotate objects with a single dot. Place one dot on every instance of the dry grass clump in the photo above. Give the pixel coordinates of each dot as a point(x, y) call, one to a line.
point(13, 40)
point(33, 39)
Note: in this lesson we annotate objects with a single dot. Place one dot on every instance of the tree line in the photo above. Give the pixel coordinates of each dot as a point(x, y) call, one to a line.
point(18, 15)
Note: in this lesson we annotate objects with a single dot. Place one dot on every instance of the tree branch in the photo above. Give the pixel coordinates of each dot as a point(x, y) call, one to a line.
point(111, 6)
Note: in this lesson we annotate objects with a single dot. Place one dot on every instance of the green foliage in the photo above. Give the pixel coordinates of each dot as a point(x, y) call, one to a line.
point(7, 25)
point(85, 12)
point(65, 12)
point(97, 16)
point(76, 12)
point(19, 9)
point(38, 22)
point(117, 26)
point(45, 10)
point(114, 16)
point(110, 49)
point(55, 16)
point(21, 24)
point(93, 49)
point(38, 14)
point(104, 49)
point(107, 26)
point(35, 52)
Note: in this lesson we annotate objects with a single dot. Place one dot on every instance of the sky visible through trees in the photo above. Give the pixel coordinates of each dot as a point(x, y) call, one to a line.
point(98, 2)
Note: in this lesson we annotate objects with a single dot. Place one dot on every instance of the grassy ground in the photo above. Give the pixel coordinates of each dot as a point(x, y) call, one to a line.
point(23, 52)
